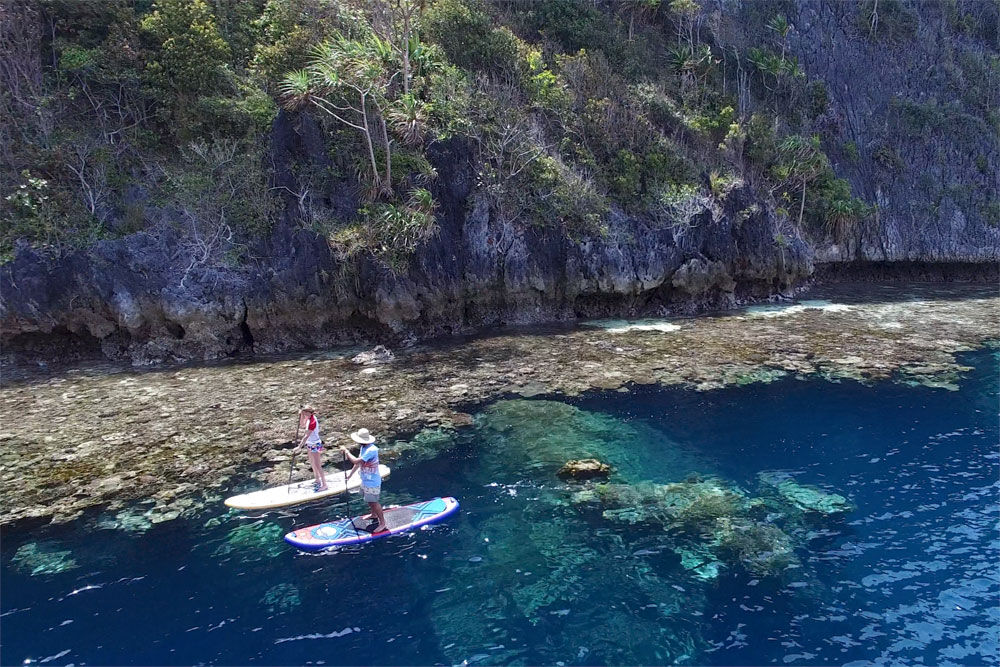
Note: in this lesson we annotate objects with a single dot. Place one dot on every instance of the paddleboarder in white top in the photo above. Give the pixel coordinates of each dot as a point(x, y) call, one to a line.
point(311, 440)
point(371, 480)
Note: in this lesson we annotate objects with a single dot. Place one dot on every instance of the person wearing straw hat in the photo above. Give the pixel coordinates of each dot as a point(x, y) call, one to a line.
point(312, 441)
point(371, 479)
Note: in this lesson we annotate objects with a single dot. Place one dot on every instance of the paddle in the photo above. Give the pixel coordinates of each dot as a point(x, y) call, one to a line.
point(291, 464)
point(347, 492)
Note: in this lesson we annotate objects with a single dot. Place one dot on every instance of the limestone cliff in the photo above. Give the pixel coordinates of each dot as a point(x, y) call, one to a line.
point(905, 111)
point(128, 299)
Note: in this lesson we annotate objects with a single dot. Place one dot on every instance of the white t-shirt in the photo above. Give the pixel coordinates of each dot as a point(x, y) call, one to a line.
point(313, 428)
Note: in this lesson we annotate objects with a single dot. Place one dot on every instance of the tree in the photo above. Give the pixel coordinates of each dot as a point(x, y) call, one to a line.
point(686, 12)
point(639, 9)
point(189, 50)
point(395, 22)
point(801, 160)
point(782, 27)
point(348, 79)
point(841, 216)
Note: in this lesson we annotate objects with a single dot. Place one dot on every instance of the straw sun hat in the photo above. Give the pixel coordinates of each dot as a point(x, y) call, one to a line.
point(362, 436)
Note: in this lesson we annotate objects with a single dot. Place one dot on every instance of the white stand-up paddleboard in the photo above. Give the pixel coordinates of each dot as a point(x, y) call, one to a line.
point(297, 492)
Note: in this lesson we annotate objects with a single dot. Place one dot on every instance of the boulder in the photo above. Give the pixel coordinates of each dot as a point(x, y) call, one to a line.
point(582, 469)
point(379, 354)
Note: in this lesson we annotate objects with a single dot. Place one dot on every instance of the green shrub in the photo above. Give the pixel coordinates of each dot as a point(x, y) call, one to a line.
point(471, 39)
point(851, 151)
point(560, 197)
point(391, 231)
point(819, 99)
point(887, 157)
point(991, 212)
point(188, 50)
point(44, 215)
point(545, 88)
point(289, 29)
point(575, 25)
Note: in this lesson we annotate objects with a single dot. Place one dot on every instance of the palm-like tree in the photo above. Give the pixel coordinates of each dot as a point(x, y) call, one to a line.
point(408, 117)
point(349, 80)
point(780, 25)
point(841, 215)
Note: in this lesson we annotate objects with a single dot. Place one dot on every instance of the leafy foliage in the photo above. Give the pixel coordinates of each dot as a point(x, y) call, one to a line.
point(189, 48)
point(570, 110)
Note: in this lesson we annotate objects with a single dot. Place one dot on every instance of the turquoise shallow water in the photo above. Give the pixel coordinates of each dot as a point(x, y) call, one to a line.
point(526, 575)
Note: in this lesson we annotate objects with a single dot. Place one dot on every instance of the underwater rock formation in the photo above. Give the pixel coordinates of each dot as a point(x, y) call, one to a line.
point(254, 541)
point(805, 498)
point(583, 469)
point(762, 548)
point(536, 562)
point(548, 432)
point(717, 525)
point(35, 558)
point(281, 598)
point(693, 504)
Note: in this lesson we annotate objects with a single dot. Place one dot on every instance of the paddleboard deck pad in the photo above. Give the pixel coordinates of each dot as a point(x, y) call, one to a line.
point(353, 531)
point(297, 492)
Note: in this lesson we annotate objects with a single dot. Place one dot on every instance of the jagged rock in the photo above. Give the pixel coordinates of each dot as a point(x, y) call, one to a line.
point(698, 277)
point(582, 469)
point(379, 354)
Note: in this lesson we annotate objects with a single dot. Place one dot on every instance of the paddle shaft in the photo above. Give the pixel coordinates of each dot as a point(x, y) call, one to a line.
point(291, 464)
point(347, 492)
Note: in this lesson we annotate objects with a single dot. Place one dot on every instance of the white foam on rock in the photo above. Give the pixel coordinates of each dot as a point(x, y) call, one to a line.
point(624, 326)
point(782, 309)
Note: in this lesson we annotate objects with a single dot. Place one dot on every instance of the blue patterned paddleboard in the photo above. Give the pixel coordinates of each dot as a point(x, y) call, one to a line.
point(352, 531)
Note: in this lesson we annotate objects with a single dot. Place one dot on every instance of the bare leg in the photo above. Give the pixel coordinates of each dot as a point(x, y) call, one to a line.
point(317, 469)
point(377, 511)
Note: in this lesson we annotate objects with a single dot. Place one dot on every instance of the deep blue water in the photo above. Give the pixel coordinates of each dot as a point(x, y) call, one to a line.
point(523, 575)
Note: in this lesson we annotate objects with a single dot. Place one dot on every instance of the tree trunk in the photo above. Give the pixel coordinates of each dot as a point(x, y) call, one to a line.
point(368, 142)
point(406, 54)
point(802, 204)
point(387, 186)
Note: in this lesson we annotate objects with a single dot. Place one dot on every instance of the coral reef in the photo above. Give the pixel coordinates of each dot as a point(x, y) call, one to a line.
point(717, 525)
point(90, 436)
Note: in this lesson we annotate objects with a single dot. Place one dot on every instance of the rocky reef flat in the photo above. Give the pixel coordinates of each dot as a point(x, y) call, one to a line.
point(163, 442)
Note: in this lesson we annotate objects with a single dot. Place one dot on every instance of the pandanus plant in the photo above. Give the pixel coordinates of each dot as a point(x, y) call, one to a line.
point(408, 117)
point(348, 79)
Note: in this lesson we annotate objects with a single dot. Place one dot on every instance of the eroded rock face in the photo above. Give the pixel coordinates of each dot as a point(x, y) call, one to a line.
point(140, 298)
point(901, 133)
